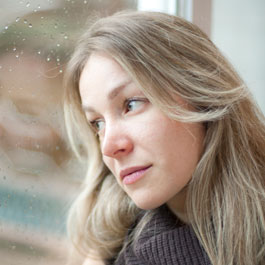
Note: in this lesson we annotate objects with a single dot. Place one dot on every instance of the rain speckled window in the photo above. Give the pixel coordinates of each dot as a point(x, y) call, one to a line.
point(38, 175)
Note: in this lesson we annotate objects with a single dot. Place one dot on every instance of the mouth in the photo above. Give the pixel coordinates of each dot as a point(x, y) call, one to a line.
point(132, 174)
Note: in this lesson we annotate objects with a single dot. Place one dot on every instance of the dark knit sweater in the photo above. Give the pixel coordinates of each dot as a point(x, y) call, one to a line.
point(164, 241)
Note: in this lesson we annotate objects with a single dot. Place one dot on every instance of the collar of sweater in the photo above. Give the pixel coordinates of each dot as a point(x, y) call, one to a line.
point(166, 240)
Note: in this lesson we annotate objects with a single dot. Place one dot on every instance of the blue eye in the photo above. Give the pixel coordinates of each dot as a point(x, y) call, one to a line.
point(132, 104)
point(97, 125)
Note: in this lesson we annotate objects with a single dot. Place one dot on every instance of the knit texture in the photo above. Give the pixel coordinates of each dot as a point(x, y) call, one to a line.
point(165, 240)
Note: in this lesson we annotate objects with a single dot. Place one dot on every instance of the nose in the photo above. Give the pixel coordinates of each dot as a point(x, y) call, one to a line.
point(116, 142)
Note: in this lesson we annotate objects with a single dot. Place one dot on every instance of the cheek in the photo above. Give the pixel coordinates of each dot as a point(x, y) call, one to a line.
point(154, 129)
point(177, 145)
point(187, 147)
point(160, 135)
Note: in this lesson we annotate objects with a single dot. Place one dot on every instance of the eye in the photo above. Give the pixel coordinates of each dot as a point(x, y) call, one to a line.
point(134, 103)
point(97, 125)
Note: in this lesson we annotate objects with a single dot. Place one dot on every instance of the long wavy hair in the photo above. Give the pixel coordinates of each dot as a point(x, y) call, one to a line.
point(167, 56)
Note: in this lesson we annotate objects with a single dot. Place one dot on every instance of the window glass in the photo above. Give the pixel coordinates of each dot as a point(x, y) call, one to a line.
point(238, 29)
point(38, 175)
point(168, 6)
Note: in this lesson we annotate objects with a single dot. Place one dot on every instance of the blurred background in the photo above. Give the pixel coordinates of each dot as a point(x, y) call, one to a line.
point(39, 177)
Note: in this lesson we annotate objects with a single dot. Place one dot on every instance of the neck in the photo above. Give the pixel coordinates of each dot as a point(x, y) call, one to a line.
point(177, 205)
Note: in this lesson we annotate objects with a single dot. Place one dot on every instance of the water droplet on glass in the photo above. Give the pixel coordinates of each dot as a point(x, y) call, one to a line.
point(25, 21)
point(58, 59)
point(17, 19)
point(60, 71)
point(65, 37)
point(39, 52)
point(85, 2)
point(17, 56)
point(6, 27)
point(58, 44)
point(38, 6)
point(14, 49)
point(30, 25)
point(41, 17)
point(55, 25)
point(28, 4)
point(48, 59)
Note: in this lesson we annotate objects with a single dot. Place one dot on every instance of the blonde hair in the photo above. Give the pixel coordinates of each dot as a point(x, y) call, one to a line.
point(166, 56)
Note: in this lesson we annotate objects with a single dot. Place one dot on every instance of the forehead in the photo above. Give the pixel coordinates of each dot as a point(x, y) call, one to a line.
point(101, 72)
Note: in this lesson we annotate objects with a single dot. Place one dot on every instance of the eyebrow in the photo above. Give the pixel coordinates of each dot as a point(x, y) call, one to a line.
point(111, 95)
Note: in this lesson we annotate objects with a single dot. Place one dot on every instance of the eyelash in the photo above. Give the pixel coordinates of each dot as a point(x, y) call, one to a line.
point(130, 100)
point(93, 123)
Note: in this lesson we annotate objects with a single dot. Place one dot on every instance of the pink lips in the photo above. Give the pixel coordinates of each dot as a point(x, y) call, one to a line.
point(132, 174)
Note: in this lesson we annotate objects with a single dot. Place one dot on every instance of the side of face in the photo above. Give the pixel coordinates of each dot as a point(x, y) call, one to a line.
point(151, 156)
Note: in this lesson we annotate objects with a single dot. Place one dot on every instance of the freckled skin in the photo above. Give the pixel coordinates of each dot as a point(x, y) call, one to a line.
point(143, 136)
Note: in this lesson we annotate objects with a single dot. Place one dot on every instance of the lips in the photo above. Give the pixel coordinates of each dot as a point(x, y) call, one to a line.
point(131, 170)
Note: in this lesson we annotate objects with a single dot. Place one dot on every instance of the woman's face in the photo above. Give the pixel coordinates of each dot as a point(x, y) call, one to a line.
point(151, 156)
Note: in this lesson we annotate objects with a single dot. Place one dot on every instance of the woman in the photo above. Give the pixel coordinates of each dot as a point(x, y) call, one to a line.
point(174, 145)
